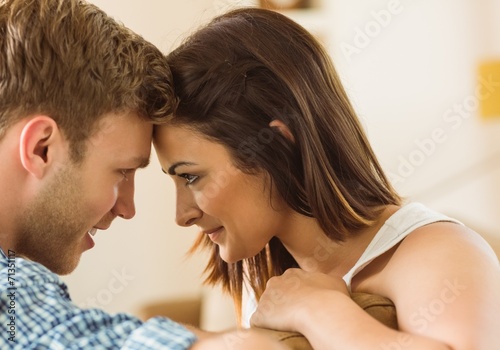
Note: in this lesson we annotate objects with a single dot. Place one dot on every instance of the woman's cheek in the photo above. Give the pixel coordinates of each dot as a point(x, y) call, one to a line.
point(209, 199)
point(202, 200)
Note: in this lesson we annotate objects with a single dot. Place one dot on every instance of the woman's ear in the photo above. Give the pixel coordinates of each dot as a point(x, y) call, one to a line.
point(283, 129)
point(38, 140)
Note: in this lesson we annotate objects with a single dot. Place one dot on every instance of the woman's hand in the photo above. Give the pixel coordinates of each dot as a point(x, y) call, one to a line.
point(237, 340)
point(289, 296)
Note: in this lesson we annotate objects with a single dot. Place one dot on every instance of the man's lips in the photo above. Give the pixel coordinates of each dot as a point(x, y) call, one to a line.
point(89, 239)
point(100, 226)
point(90, 236)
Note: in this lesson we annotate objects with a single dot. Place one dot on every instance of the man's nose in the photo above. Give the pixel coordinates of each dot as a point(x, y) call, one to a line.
point(125, 206)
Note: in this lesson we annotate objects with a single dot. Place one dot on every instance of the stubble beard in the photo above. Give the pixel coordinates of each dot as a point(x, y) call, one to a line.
point(52, 229)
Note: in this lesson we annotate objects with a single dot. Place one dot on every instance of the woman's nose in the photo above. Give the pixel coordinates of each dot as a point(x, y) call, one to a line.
point(187, 212)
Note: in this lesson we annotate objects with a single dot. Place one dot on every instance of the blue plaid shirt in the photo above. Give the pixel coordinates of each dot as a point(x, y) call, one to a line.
point(36, 312)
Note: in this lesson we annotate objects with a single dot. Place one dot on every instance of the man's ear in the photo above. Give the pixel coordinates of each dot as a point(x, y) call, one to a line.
point(283, 129)
point(38, 140)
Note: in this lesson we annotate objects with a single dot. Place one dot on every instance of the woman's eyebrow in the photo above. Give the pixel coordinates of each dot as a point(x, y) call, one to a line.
point(171, 169)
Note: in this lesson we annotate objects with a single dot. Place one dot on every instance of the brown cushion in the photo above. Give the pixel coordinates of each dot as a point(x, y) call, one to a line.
point(377, 306)
point(381, 308)
point(187, 311)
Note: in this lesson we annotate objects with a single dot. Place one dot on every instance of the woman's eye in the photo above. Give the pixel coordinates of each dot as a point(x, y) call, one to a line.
point(190, 179)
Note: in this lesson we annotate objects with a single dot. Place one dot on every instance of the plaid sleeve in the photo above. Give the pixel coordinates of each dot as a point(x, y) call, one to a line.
point(44, 317)
point(152, 335)
point(94, 329)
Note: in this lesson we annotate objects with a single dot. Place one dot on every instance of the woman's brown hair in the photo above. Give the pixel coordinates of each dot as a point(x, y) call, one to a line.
point(247, 68)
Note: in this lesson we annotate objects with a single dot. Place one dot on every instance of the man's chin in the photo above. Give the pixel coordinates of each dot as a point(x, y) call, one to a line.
point(63, 266)
point(64, 270)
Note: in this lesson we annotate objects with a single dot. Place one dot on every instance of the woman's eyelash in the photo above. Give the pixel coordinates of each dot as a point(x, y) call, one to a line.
point(190, 179)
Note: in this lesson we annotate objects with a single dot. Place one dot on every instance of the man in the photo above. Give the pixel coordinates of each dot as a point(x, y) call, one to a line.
point(79, 95)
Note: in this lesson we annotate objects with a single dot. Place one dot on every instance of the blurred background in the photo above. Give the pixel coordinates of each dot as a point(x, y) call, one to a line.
point(424, 77)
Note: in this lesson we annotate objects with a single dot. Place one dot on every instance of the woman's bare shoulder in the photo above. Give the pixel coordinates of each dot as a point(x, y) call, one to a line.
point(444, 279)
point(445, 239)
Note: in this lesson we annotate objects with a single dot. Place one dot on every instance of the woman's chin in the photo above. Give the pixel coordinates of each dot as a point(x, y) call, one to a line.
point(231, 259)
point(228, 257)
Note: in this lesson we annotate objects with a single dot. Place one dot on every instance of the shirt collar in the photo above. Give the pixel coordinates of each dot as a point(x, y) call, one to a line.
point(3, 254)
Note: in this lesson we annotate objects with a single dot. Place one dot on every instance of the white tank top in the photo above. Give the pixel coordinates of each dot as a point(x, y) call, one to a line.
point(399, 225)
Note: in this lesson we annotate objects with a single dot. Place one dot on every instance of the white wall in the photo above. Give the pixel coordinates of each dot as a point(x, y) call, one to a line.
point(416, 67)
point(404, 79)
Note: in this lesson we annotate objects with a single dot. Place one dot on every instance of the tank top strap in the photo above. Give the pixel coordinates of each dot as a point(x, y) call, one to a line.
point(404, 221)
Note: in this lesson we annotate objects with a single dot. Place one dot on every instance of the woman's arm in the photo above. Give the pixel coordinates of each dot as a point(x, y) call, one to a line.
point(235, 340)
point(443, 280)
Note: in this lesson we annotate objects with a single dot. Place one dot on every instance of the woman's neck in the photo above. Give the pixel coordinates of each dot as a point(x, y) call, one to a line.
point(315, 252)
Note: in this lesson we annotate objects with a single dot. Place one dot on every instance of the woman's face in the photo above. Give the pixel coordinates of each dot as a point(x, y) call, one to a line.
point(235, 209)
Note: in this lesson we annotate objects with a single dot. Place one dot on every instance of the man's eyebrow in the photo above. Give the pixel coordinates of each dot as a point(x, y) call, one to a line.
point(171, 169)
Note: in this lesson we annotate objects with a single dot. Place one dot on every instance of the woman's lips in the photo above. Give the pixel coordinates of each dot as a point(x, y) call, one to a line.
point(214, 233)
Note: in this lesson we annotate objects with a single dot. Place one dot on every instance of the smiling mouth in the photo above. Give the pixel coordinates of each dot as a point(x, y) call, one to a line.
point(213, 234)
point(209, 232)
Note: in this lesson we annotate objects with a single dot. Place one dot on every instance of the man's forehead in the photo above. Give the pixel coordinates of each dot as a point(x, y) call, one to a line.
point(125, 137)
point(115, 122)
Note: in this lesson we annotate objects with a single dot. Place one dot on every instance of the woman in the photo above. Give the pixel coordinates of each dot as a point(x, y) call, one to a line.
point(271, 163)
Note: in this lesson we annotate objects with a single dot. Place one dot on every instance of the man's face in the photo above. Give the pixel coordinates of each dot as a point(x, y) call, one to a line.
point(83, 197)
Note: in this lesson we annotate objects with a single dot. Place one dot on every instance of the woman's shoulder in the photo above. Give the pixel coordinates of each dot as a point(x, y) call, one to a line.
point(444, 239)
point(444, 277)
point(424, 233)
point(438, 250)
point(438, 253)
